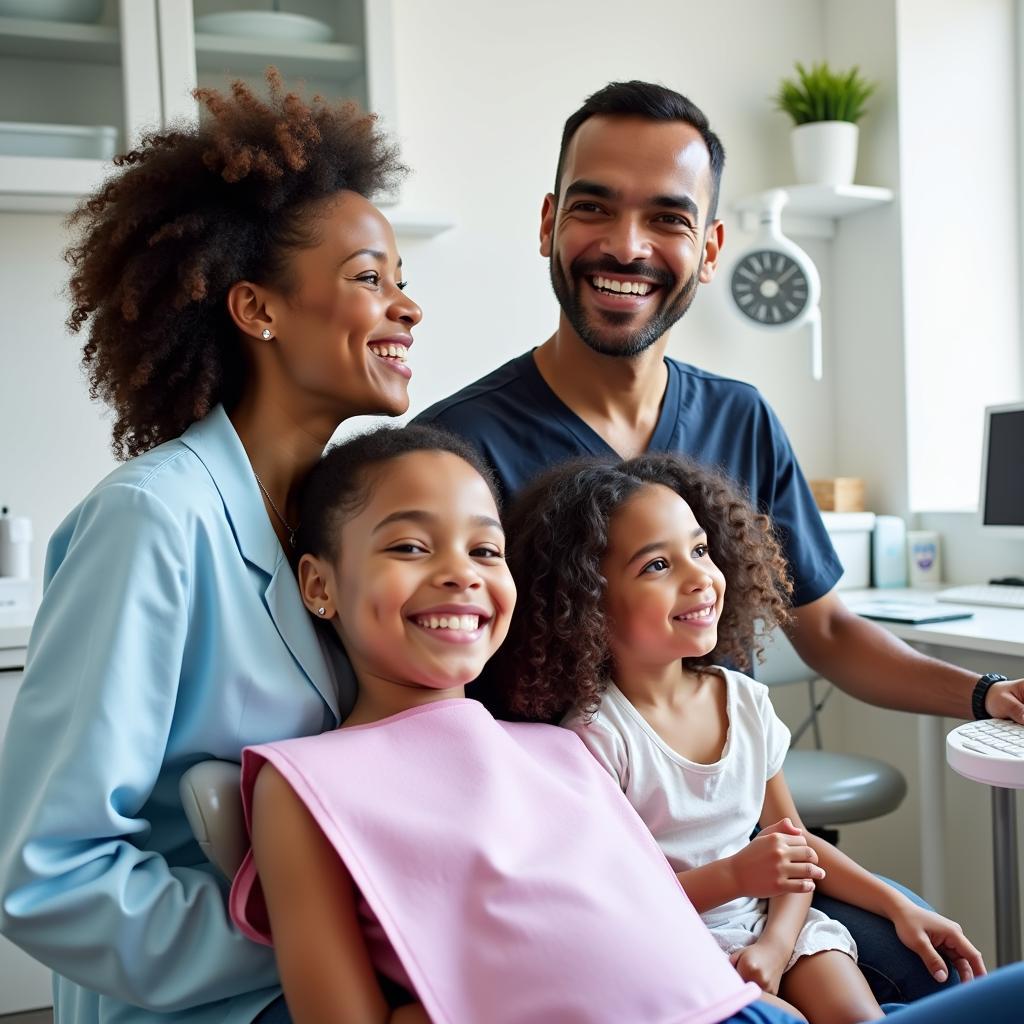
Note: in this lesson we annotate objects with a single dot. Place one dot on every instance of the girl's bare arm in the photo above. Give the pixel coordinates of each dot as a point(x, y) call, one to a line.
point(311, 900)
point(786, 913)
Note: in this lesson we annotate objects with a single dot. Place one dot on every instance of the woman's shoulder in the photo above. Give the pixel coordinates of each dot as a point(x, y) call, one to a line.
point(171, 474)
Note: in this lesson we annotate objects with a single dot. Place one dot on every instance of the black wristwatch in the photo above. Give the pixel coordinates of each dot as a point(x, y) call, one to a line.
point(981, 688)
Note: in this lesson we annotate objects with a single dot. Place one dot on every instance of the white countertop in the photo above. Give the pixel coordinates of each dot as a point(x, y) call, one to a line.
point(989, 629)
point(15, 627)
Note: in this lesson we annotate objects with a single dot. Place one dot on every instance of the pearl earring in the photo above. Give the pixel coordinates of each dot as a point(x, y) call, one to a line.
point(267, 334)
point(321, 610)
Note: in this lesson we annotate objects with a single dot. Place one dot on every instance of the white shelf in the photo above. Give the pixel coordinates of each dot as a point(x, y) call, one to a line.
point(34, 184)
point(40, 184)
point(813, 210)
point(59, 40)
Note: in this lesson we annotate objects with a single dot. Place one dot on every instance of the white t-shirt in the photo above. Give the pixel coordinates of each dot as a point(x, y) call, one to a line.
point(698, 813)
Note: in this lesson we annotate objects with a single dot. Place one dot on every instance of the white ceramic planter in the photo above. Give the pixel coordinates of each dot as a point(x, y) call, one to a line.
point(824, 152)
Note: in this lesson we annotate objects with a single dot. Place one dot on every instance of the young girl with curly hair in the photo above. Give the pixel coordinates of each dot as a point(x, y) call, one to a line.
point(241, 297)
point(641, 583)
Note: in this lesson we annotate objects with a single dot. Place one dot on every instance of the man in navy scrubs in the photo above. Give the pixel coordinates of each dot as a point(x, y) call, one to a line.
point(630, 232)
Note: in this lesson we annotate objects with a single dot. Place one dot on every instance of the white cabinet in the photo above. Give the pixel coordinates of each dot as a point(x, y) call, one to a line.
point(25, 984)
point(63, 73)
point(136, 68)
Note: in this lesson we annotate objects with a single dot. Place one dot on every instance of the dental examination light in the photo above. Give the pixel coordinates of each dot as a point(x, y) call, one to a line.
point(775, 284)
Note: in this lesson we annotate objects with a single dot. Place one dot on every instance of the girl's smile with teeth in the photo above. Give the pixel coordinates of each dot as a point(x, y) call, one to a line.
point(700, 616)
point(465, 623)
point(453, 625)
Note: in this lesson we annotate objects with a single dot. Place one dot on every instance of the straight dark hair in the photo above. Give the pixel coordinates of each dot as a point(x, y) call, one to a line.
point(339, 485)
point(656, 103)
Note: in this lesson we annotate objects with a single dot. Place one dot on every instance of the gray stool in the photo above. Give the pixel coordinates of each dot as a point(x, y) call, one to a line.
point(828, 789)
point(836, 789)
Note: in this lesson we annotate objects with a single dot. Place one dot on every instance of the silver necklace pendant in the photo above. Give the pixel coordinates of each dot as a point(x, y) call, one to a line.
point(289, 529)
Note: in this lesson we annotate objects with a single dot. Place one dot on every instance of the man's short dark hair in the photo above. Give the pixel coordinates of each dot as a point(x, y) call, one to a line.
point(656, 103)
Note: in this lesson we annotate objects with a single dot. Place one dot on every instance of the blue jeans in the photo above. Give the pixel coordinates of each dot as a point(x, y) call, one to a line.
point(895, 973)
point(996, 999)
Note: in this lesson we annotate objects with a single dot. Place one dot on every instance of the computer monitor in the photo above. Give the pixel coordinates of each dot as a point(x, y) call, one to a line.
point(1001, 504)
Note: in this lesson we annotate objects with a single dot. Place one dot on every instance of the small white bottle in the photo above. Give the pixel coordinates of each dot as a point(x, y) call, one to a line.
point(889, 552)
point(15, 545)
point(924, 556)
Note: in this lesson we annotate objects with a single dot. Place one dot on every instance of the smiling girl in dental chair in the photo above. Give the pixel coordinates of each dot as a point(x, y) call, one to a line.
point(492, 870)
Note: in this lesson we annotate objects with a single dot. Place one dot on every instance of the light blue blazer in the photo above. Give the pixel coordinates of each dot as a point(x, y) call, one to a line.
point(171, 630)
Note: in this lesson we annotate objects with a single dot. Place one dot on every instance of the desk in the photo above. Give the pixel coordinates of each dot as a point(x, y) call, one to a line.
point(994, 631)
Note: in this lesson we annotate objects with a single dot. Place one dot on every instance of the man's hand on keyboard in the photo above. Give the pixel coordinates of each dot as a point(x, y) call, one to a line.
point(1006, 700)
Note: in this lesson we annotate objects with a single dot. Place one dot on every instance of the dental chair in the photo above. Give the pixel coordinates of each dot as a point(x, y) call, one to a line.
point(212, 798)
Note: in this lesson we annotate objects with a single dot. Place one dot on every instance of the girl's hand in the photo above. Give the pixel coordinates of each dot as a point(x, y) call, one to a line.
point(776, 861)
point(928, 934)
point(763, 963)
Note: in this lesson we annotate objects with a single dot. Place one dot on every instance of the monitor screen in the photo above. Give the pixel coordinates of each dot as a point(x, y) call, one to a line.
point(1003, 482)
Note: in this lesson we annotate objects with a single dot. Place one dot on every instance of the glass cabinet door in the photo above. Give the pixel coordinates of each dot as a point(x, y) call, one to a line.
point(320, 43)
point(74, 90)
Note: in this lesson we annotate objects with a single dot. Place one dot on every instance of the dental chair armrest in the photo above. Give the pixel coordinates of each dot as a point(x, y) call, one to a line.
point(212, 798)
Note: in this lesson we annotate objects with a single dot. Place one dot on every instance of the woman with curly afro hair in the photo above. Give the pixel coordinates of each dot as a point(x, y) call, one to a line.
point(240, 297)
point(639, 581)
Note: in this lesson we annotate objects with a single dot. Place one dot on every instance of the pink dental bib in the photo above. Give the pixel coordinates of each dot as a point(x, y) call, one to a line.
point(512, 879)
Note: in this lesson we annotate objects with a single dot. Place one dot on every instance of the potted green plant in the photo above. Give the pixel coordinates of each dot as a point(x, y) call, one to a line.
point(825, 107)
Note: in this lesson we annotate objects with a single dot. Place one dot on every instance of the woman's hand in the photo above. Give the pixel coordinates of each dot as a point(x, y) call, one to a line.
point(763, 963)
point(776, 861)
point(929, 934)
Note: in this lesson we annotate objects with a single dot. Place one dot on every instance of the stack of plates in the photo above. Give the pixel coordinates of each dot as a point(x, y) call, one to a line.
point(277, 25)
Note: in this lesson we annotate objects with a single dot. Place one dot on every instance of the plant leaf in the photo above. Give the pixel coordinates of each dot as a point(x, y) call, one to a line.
point(820, 94)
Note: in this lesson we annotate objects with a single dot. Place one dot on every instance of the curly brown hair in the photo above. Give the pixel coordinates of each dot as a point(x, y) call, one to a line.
point(557, 654)
point(193, 211)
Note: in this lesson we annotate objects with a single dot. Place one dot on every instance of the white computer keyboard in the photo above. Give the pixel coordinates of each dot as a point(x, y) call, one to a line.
point(984, 593)
point(991, 751)
point(994, 737)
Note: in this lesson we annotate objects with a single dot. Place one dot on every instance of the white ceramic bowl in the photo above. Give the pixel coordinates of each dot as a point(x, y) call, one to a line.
point(53, 10)
point(265, 25)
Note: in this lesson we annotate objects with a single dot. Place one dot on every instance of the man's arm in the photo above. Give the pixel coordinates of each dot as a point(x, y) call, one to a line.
point(868, 662)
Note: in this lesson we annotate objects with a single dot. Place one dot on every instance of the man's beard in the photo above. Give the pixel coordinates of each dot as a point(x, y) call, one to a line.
point(611, 338)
